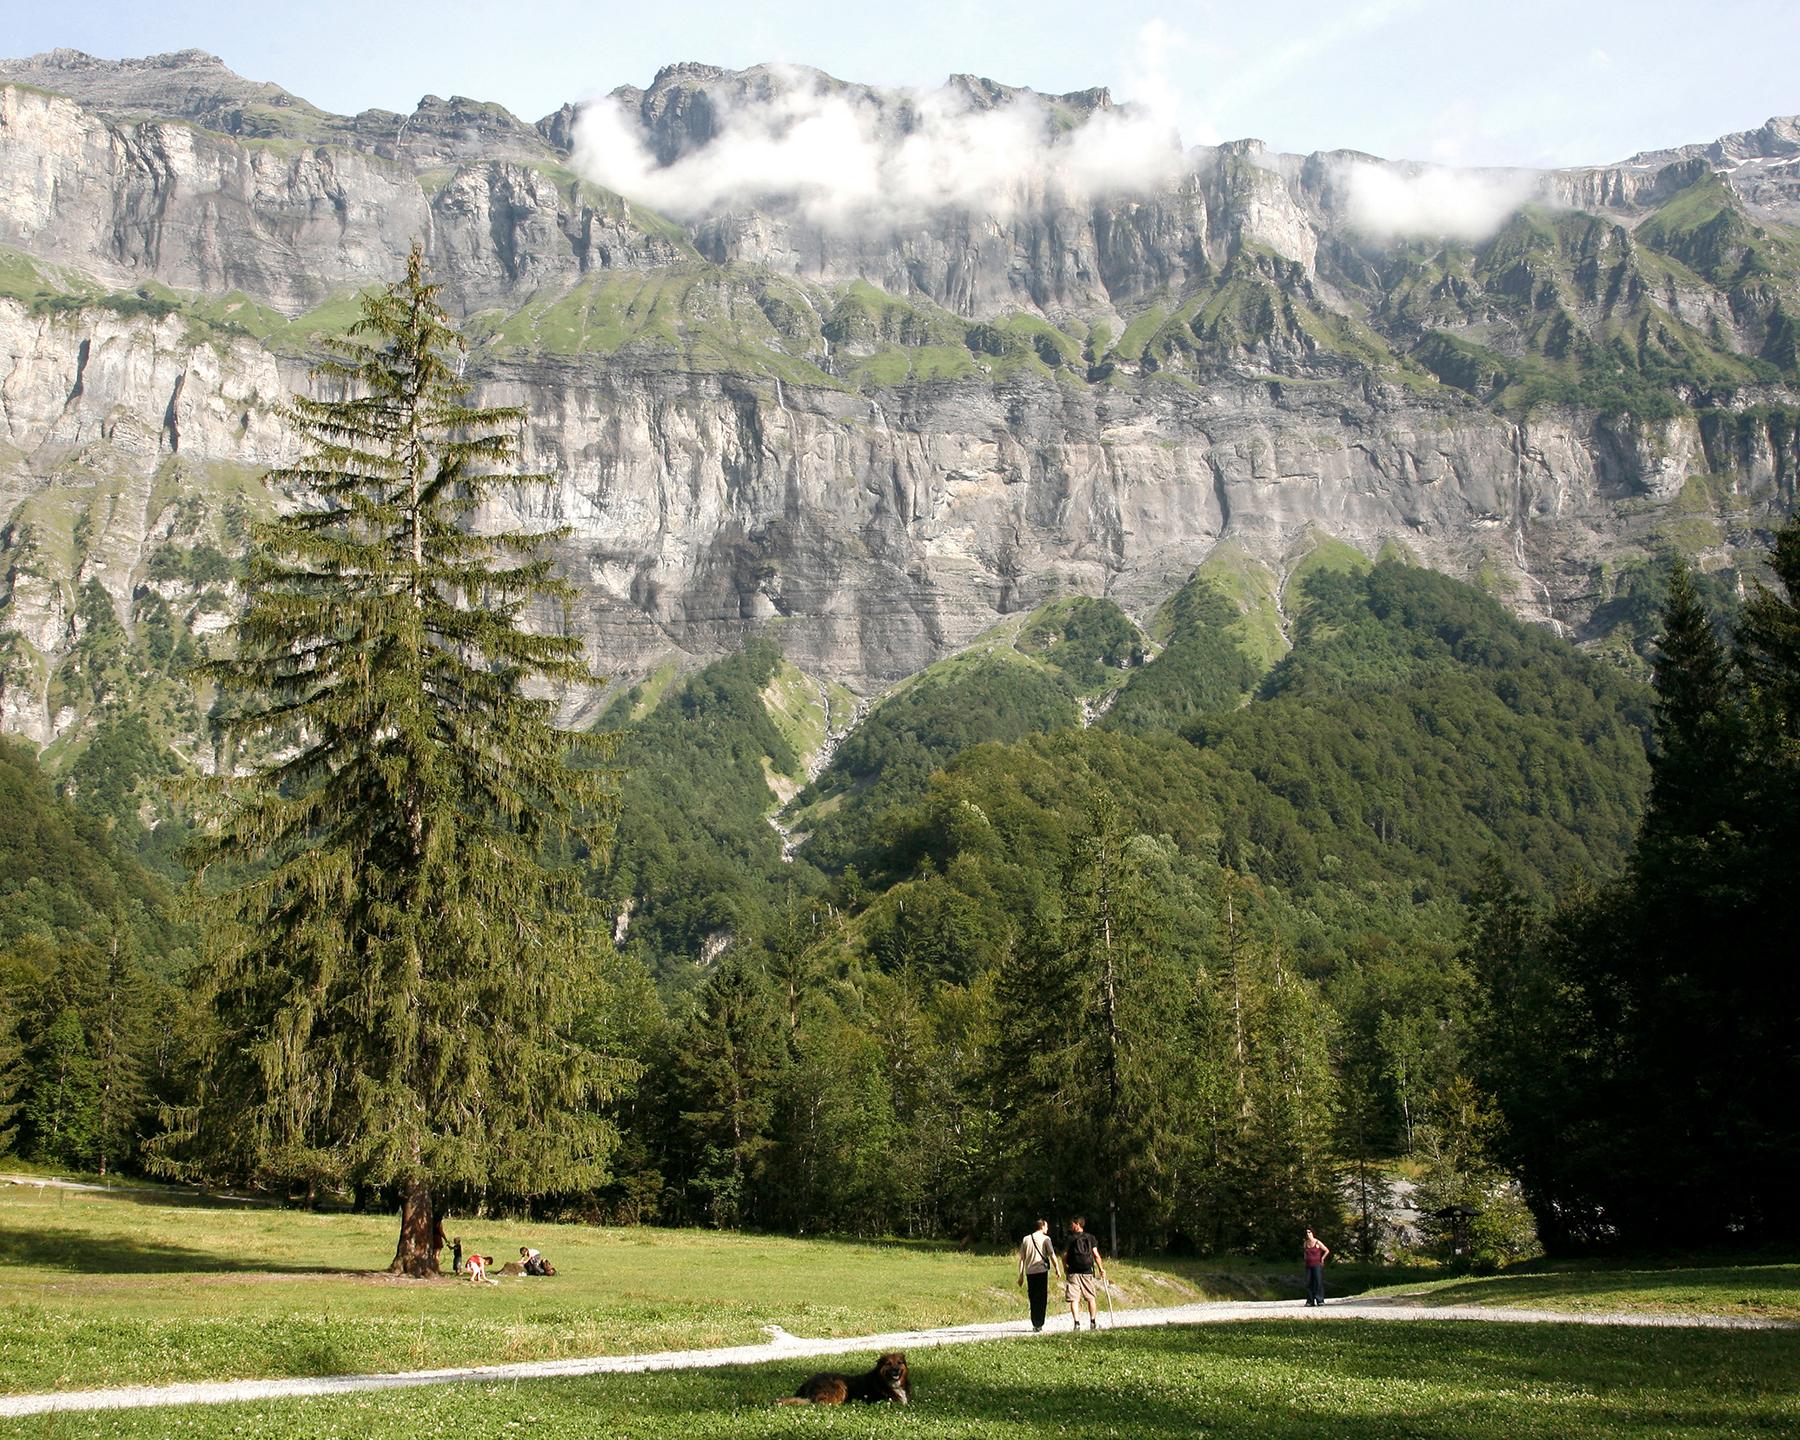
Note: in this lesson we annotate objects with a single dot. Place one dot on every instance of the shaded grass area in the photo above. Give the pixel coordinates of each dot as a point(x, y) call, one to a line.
point(1261, 1382)
point(127, 1288)
point(1770, 1290)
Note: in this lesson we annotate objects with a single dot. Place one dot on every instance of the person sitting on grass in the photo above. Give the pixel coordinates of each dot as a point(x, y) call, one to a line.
point(534, 1262)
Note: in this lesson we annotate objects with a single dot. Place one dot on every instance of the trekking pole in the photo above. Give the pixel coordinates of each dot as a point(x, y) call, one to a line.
point(1111, 1323)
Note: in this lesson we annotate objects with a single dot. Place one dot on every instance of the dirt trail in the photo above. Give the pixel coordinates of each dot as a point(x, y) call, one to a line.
point(783, 1346)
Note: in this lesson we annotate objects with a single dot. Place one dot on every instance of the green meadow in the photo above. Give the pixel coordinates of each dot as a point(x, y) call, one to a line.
point(1294, 1381)
point(132, 1286)
point(136, 1285)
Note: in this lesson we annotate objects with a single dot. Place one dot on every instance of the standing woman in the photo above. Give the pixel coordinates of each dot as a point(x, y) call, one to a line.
point(1037, 1259)
point(1313, 1252)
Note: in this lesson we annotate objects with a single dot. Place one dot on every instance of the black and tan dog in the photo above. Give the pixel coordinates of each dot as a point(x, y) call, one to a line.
point(889, 1380)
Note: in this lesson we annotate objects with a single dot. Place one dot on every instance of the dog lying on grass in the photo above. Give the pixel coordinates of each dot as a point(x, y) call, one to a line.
point(889, 1380)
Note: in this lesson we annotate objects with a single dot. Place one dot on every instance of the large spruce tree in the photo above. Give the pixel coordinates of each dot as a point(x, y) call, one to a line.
point(400, 982)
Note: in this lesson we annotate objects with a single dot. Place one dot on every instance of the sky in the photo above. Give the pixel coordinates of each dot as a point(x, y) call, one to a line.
point(1465, 82)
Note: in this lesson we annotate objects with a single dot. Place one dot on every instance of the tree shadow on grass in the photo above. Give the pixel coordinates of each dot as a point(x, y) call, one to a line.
point(132, 1255)
point(1731, 1286)
point(1287, 1382)
point(154, 1195)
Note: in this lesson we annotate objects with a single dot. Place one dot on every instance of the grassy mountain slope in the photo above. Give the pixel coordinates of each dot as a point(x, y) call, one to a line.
point(1416, 728)
point(1033, 675)
point(695, 856)
point(1557, 307)
point(1203, 666)
point(1415, 731)
point(62, 876)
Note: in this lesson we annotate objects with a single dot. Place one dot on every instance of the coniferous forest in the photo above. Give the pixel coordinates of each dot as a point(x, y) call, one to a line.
point(1436, 894)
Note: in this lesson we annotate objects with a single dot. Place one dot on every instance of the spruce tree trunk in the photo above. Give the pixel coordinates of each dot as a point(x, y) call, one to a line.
point(414, 1254)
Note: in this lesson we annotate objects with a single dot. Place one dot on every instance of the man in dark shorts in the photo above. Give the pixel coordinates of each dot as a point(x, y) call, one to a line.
point(1081, 1259)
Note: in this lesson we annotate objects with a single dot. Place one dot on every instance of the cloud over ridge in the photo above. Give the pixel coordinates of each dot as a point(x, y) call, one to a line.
point(848, 160)
point(1387, 201)
point(857, 161)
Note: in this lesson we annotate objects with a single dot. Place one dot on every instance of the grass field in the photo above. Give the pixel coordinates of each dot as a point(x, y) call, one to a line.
point(1347, 1381)
point(131, 1287)
point(137, 1286)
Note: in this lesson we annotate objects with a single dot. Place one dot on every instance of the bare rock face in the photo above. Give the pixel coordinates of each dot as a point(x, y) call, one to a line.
point(186, 85)
point(747, 437)
point(1762, 166)
point(877, 533)
point(293, 225)
point(194, 209)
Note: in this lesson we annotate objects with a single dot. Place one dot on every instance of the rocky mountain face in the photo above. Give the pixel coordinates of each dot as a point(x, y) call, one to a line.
point(870, 444)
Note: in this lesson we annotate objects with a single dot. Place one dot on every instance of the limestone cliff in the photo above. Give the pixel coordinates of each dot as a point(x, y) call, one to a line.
point(870, 445)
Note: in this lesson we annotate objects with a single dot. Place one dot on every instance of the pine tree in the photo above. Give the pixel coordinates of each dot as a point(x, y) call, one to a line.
point(1768, 638)
point(730, 1063)
point(119, 1019)
point(12, 1071)
point(61, 1105)
point(1093, 1063)
point(1757, 1054)
point(1697, 763)
point(1702, 1001)
point(1286, 1169)
point(397, 975)
point(1661, 1116)
point(1471, 1207)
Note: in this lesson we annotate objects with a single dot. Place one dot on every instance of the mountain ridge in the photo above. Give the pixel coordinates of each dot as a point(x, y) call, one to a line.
point(872, 451)
point(1778, 137)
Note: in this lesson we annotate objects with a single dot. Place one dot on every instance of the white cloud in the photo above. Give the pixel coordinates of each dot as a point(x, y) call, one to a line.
point(1388, 200)
point(848, 162)
point(843, 163)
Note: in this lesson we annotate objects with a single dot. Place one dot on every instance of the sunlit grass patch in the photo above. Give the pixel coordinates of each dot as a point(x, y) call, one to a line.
point(1257, 1382)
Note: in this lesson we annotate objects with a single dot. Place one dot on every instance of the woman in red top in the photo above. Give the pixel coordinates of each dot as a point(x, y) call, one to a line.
point(1313, 1252)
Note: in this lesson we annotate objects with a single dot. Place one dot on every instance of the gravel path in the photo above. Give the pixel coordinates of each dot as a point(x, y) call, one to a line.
point(783, 1346)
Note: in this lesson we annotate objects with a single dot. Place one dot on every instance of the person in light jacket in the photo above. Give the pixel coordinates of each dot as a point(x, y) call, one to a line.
point(1037, 1262)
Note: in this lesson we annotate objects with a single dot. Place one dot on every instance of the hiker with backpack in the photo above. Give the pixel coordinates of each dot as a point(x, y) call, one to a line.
point(1081, 1259)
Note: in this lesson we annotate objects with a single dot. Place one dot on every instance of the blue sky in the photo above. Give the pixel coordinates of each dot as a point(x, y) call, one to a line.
point(1527, 82)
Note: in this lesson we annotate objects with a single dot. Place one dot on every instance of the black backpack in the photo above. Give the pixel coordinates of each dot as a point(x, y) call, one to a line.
point(1079, 1258)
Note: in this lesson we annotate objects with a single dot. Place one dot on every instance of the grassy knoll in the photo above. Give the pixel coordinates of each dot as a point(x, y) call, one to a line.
point(133, 1286)
point(1258, 1382)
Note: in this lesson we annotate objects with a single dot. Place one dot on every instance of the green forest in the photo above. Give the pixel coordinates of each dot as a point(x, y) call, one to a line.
point(1242, 942)
point(1089, 917)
